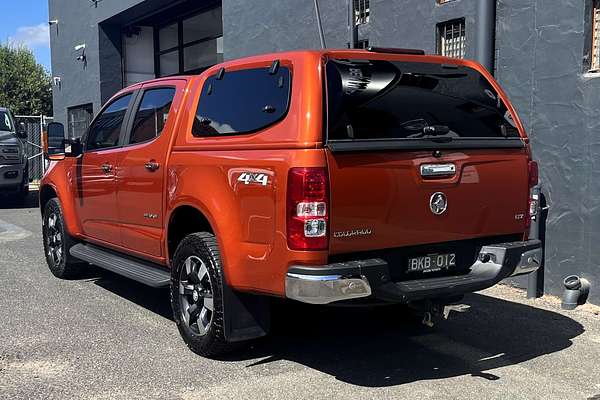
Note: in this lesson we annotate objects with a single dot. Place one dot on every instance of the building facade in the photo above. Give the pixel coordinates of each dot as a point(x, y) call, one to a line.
point(546, 55)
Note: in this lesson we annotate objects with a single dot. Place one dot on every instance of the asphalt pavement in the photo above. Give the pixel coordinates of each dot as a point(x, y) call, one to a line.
point(106, 337)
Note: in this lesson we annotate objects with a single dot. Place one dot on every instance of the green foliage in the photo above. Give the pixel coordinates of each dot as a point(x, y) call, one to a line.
point(25, 86)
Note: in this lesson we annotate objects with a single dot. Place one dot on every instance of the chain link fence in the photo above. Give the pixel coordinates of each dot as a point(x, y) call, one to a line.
point(34, 126)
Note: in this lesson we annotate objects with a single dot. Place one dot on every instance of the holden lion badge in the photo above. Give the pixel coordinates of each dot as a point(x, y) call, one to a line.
point(438, 203)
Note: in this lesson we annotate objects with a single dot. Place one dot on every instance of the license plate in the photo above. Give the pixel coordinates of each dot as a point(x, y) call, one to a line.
point(431, 262)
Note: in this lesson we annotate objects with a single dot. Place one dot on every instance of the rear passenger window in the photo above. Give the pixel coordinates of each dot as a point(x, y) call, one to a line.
point(242, 101)
point(151, 116)
point(106, 130)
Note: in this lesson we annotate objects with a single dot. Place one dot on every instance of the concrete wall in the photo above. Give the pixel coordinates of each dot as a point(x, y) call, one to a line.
point(268, 26)
point(541, 46)
point(412, 23)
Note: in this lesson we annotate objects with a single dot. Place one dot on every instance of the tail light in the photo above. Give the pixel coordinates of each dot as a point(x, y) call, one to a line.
point(533, 174)
point(532, 206)
point(307, 209)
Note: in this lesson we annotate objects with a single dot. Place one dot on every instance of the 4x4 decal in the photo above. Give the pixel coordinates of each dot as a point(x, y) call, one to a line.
point(250, 177)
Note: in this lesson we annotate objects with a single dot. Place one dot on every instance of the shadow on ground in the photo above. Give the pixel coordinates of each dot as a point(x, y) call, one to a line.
point(388, 346)
point(155, 300)
point(8, 202)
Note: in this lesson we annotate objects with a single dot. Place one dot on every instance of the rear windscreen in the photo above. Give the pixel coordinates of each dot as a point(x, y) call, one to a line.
point(373, 99)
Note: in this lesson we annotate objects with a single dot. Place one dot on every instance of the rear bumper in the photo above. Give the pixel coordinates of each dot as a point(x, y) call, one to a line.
point(371, 278)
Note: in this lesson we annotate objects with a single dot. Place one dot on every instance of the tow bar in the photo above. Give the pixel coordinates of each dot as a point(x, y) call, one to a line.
point(436, 311)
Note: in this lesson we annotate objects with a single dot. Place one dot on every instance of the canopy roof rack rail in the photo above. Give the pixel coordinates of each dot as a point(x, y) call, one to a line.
point(393, 50)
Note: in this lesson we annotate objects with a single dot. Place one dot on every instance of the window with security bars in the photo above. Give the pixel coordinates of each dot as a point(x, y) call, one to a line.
point(361, 12)
point(451, 38)
point(595, 65)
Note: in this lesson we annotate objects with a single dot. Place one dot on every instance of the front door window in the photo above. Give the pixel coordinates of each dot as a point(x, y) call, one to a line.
point(106, 130)
point(152, 115)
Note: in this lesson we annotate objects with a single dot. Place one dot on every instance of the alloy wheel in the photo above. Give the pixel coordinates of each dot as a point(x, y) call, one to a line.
point(54, 239)
point(196, 295)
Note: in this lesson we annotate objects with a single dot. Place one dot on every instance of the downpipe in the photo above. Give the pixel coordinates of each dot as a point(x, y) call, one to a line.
point(576, 292)
point(486, 30)
point(537, 230)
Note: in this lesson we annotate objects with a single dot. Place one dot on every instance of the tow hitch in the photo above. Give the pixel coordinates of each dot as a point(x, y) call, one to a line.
point(435, 311)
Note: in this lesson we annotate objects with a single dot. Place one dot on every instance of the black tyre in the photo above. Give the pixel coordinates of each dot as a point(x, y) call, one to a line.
point(197, 295)
point(23, 191)
point(25, 182)
point(58, 242)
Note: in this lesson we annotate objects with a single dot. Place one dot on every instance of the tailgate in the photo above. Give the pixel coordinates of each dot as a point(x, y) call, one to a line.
point(380, 200)
point(420, 152)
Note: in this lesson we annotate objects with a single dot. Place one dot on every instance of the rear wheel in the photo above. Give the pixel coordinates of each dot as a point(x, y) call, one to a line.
point(197, 295)
point(58, 242)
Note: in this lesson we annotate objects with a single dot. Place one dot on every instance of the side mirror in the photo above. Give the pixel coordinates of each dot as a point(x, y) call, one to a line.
point(56, 147)
point(54, 141)
point(22, 130)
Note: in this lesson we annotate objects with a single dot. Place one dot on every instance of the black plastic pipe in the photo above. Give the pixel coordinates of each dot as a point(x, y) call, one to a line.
point(535, 280)
point(352, 27)
point(486, 31)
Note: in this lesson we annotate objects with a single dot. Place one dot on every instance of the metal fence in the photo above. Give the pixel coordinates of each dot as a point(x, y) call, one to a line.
point(35, 125)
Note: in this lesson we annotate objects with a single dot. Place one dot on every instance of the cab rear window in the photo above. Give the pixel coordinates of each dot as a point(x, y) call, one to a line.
point(373, 99)
point(244, 101)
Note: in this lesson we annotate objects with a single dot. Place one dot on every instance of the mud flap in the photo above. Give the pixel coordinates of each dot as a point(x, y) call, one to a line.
point(246, 316)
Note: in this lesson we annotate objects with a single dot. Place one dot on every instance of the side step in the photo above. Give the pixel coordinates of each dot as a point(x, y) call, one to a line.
point(138, 270)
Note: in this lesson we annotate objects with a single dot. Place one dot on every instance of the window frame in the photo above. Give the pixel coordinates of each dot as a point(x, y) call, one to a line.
point(134, 108)
point(362, 12)
point(246, 68)
point(592, 9)
point(84, 139)
point(181, 45)
point(439, 36)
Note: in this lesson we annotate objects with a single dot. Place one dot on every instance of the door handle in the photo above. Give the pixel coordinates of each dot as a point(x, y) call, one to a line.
point(107, 168)
point(438, 170)
point(152, 165)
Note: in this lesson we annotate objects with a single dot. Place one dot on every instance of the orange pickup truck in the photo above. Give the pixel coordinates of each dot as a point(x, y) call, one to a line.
point(358, 176)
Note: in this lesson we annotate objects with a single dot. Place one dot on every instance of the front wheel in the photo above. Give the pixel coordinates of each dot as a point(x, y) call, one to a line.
point(197, 295)
point(58, 242)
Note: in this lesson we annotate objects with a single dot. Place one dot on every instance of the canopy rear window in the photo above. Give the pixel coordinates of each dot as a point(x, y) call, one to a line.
point(384, 100)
